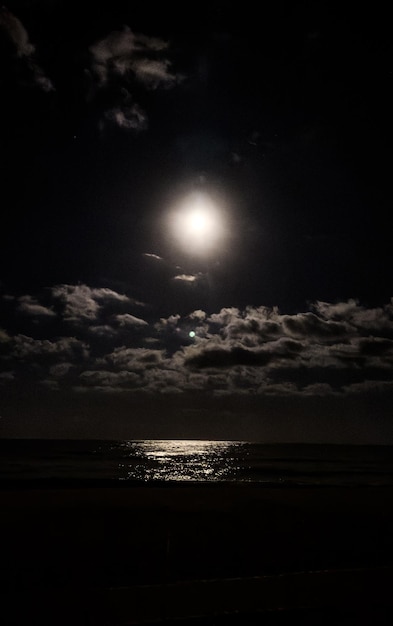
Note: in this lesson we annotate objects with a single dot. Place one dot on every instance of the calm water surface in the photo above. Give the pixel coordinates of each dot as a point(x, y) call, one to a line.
point(152, 461)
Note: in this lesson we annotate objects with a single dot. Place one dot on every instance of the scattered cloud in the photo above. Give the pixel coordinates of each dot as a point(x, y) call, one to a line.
point(6, 376)
point(4, 336)
point(130, 117)
point(225, 316)
point(24, 49)
point(134, 359)
point(125, 58)
point(30, 306)
point(59, 370)
point(49, 383)
point(198, 315)
point(104, 378)
point(338, 349)
point(127, 320)
point(149, 255)
point(363, 318)
point(123, 51)
point(370, 386)
point(168, 322)
point(218, 357)
point(102, 330)
point(16, 32)
point(84, 303)
point(310, 325)
point(187, 278)
point(154, 73)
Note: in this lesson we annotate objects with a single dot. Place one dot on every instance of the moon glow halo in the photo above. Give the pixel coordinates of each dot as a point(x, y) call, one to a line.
point(197, 223)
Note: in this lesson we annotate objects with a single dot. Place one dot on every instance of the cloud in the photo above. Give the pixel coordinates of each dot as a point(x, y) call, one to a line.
point(30, 306)
point(168, 322)
point(319, 390)
point(134, 359)
point(6, 376)
point(363, 318)
point(59, 370)
point(370, 386)
point(338, 349)
point(4, 336)
point(309, 325)
point(218, 357)
point(83, 303)
point(50, 384)
point(35, 360)
point(126, 58)
point(104, 331)
point(107, 379)
point(149, 255)
point(338, 311)
point(123, 51)
point(187, 278)
point(280, 389)
point(128, 117)
point(25, 347)
point(154, 73)
point(127, 320)
point(25, 50)
point(164, 381)
point(198, 315)
point(375, 346)
point(40, 78)
point(254, 325)
point(225, 316)
point(78, 300)
point(16, 32)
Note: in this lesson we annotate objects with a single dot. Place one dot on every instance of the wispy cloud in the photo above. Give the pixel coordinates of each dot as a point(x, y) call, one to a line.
point(154, 73)
point(123, 51)
point(24, 49)
point(187, 278)
point(16, 32)
point(128, 117)
point(128, 320)
point(134, 359)
point(125, 58)
point(150, 255)
point(30, 306)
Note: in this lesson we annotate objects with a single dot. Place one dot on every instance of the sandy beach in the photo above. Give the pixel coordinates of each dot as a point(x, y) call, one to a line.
point(102, 545)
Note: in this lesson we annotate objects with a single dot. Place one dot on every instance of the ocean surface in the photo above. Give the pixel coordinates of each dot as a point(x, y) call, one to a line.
point(180, 461)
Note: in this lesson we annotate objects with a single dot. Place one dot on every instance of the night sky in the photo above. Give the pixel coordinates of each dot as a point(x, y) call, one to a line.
point(272, 318)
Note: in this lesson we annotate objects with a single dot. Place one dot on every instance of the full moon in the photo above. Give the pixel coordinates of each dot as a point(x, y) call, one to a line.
point(198, 223)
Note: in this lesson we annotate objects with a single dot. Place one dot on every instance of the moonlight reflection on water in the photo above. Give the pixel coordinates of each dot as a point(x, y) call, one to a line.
point(179, 460)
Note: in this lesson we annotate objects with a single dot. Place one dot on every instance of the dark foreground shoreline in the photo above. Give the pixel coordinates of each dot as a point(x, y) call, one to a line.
point(105, 553)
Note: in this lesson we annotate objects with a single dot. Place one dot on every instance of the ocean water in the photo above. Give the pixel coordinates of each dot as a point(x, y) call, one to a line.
point(181, 461)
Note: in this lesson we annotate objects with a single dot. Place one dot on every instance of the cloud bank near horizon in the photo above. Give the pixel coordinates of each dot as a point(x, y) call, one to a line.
point(83, 338)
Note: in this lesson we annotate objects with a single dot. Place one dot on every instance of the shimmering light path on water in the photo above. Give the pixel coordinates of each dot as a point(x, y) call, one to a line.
point(158, 461)
point(179, 460)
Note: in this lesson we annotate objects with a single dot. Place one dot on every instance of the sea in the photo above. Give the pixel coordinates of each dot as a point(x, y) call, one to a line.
point(160, 462)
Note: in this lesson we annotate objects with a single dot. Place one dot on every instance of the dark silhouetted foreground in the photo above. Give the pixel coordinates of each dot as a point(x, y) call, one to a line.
point(217, 554)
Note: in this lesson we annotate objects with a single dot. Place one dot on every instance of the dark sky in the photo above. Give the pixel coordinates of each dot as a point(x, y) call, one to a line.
point(113, 116)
